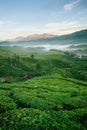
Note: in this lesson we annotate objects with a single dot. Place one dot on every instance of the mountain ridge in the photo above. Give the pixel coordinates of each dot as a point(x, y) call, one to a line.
point(76, 36)
point(35, 36)
point(82, 34)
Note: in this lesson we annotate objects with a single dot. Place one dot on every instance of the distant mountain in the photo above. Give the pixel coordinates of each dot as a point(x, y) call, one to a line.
point(79, 36)
point(35, 36)
point(76, 37)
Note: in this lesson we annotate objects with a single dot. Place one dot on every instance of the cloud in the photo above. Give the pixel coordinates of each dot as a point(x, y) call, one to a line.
point(71, 5)
point(64, 27)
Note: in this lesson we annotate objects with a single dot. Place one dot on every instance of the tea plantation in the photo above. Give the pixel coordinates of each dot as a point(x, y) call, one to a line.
point(44, 91)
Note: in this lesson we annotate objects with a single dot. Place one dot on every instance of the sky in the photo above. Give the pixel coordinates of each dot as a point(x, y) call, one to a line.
point(25, 17)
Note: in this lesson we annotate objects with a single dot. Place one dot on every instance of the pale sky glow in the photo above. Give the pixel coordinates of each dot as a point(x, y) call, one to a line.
point(26, 17)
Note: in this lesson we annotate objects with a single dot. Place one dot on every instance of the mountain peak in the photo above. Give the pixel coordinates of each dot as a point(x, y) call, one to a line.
point(44, 35)
point(35, 36)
